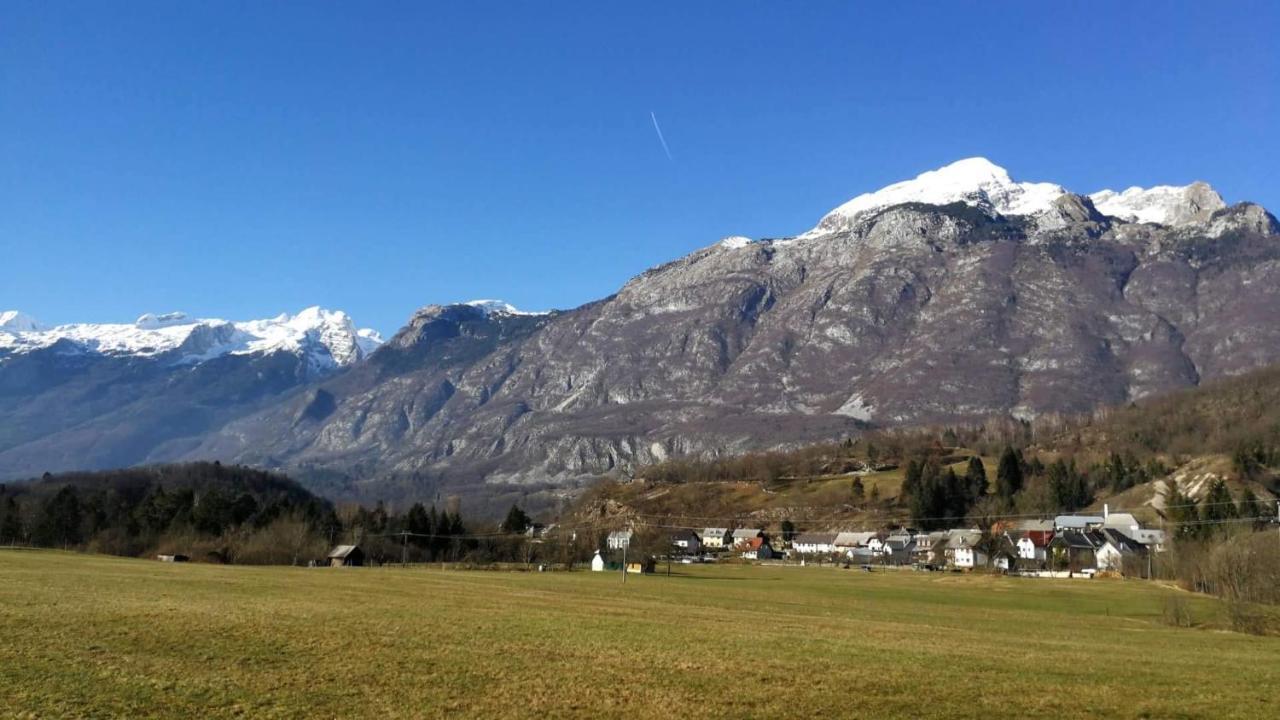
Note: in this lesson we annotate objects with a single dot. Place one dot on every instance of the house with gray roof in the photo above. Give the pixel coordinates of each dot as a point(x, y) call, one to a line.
point(814, 543)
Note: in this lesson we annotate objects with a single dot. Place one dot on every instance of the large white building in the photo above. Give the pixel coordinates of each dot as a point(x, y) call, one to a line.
point(619, 539)
point(814, 543)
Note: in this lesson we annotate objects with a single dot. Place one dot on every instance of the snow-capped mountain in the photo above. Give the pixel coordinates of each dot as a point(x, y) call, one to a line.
point(899, 308)
point(958, 296)
point(973, 181)
point(327, 338)
point(982, 184)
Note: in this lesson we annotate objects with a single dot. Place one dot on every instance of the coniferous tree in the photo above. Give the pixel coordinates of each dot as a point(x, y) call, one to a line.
point(62, 516)
point(1060, 490)
point(911, 478)
point(1008, 475)
point(1218, 506)
point(856, 490)
point(956, 494)
point(975, 478)
point(10, 522)
point(1249, 507)
point(516, 521)
point(418, 522)
point(929, 503)
point(1182, 513)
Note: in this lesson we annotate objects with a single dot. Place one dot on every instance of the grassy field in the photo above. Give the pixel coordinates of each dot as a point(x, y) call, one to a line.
point(91, 636)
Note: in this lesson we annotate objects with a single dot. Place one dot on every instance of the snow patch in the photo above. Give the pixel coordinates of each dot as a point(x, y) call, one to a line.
point(856, 408)
point(1162, 204)
point(733, 242)
point(499, 307)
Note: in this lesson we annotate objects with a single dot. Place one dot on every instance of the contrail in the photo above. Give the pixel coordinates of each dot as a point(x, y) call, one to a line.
point(661, 139)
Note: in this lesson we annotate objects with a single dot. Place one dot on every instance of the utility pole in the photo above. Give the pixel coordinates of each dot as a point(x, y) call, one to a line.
point(404, 548)
point(624, 563)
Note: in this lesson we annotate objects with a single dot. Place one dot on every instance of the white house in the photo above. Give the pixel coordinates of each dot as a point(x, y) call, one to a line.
point(1033, 543)
point(597, 563)
point(746, 535)
point(963, 551)
point(715, 538)
point(814, 543)
point(619, 539)
point(1115, 548)
point(927, 545)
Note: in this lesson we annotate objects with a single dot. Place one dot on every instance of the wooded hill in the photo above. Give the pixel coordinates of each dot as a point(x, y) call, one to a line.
point(1225, 433)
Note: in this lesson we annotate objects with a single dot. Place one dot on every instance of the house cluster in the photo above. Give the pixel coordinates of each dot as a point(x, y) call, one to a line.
point(1084, 544)
point(1074, 544)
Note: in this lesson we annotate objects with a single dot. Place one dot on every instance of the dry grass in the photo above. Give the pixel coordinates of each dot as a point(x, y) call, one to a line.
point(91, 636)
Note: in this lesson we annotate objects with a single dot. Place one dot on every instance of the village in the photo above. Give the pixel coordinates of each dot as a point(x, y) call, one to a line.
point(1065, 546)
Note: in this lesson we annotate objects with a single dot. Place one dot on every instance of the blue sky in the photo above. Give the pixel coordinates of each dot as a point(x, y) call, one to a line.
point(242, 159)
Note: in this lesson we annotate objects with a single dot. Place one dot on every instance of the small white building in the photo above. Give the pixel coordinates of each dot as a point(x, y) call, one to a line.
point(619, 539)
point(1033, 543)
point(1116, 547)
point(597, 563)
point(716, 538)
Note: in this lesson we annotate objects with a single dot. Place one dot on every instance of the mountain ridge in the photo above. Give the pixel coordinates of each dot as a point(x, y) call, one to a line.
point(899, 313)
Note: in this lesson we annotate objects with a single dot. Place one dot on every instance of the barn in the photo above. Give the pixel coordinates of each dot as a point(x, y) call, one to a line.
point(346, 556)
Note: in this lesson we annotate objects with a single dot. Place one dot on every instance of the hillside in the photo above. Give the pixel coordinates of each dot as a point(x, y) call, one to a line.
point(1127, 457)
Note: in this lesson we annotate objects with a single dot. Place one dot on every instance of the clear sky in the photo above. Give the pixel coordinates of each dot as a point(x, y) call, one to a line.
point(238, 160)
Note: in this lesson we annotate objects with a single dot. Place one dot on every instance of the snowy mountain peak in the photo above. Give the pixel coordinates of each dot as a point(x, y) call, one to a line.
point(499, 307)
point(13, 321)
point(1162, 204)
point(150, 321)
point(327, 339)
point(974, 181)
point(733, 242)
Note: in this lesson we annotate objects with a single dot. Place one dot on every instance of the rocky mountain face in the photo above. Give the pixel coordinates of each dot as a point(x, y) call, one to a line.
point(953, 297)
point(90, 396)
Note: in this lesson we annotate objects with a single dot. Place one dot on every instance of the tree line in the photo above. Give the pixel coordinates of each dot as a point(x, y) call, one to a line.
point(207, 511)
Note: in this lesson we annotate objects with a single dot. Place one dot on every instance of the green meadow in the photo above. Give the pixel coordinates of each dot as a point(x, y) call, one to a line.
point(95, 636)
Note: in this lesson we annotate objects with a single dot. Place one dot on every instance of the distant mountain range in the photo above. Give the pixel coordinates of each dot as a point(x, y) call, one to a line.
point(92, 396)
point(956, 296)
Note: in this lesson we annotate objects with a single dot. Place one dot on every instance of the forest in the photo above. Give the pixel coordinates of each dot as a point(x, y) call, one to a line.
point(215, 513)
